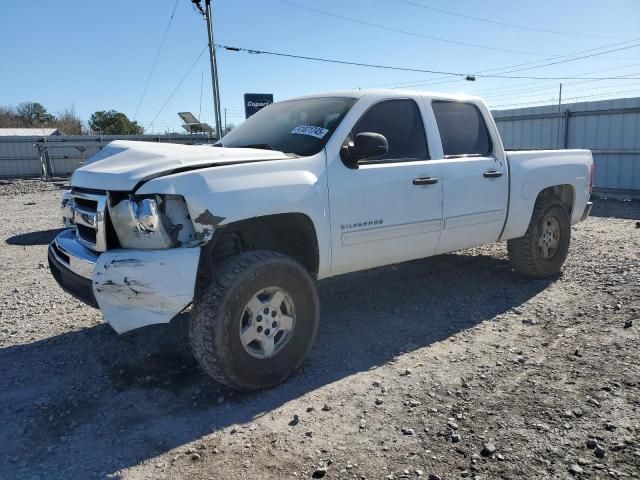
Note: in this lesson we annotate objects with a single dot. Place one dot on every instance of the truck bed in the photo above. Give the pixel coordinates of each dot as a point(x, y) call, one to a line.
point(531, 171)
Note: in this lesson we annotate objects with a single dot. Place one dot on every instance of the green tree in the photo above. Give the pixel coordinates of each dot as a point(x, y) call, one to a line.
point(33, 114)
point(114, 123)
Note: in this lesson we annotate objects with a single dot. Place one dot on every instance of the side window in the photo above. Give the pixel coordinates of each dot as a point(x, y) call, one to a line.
point(401, 124)
point(462, 129)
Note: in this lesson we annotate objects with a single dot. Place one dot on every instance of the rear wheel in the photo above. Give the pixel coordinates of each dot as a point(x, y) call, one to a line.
point(254, 325)
point(544, 248)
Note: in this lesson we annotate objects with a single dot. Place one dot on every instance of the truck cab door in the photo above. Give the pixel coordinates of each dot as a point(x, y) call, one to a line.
point(475, 177)
point(388, 209)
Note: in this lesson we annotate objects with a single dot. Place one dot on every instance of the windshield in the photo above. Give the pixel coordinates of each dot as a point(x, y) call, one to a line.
point(301, 127)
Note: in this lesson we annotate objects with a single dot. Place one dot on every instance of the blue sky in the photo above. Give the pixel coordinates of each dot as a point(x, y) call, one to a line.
point(97, 55)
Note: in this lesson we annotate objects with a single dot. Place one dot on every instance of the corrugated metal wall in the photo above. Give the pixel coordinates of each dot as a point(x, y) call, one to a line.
point(610, 128)
point(19, 157)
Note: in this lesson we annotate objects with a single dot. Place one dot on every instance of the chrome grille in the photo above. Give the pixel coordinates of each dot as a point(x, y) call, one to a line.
point(88, 212)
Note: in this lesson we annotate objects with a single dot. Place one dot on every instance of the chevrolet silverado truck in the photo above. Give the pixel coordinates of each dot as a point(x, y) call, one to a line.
point(305, 189)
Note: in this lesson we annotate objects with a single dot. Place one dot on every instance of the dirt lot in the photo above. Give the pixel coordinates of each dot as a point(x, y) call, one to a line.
point(449, 367)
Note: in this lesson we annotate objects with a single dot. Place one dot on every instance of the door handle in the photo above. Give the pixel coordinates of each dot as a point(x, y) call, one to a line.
point(425, 180)
point(492, 174)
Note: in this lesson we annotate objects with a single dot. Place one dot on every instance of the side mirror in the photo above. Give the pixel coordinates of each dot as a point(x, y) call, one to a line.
point(365, 146)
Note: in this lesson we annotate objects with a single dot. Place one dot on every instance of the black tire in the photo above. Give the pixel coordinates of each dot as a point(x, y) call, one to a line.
point(525, 253)
point(218, 311)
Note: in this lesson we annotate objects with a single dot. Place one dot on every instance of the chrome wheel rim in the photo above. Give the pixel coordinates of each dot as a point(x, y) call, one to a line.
point(550, 238)
point(267, 322)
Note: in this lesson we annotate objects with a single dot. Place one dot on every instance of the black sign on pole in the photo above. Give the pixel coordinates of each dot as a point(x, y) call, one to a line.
point(254, 102)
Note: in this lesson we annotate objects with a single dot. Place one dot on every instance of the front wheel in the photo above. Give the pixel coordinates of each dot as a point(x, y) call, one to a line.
point(544, 248)
point(254, 325)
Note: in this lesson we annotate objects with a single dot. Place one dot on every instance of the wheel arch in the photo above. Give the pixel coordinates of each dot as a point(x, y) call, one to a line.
point(518, 221)
point(292, 234)
point(565, 193)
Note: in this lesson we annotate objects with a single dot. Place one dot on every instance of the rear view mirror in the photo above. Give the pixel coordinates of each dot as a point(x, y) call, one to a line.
point(367, 145)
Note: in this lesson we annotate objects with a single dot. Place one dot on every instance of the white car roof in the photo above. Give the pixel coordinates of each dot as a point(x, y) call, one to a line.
point(385, 93)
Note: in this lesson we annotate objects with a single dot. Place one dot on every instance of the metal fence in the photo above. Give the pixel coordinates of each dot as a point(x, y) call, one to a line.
point(21, 156)
point(609, 128)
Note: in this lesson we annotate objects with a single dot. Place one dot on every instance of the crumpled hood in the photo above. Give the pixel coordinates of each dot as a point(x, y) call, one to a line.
point(123, 164)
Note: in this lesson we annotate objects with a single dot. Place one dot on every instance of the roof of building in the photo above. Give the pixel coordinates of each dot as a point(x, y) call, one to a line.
point(29, 132)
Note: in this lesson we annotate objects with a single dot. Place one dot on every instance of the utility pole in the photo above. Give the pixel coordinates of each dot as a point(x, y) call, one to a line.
point(201, 82)
point(225, 121)
point(559, 115)
point(214, 68)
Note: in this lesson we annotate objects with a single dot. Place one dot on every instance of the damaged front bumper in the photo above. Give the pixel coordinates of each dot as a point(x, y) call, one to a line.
point(132, 288)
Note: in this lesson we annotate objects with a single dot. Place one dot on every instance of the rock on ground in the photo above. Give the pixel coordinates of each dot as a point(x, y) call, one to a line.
point(423, 346)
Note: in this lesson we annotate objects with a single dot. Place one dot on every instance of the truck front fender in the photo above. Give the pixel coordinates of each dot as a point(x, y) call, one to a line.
point(218, 196)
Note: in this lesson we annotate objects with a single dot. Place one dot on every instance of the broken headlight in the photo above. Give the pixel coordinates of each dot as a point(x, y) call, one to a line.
point(155, 222)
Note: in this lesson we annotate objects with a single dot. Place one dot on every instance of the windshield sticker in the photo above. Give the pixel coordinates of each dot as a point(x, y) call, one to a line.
point(310, 130)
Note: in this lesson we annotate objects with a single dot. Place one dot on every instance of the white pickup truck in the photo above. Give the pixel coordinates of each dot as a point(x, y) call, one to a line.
point(305, 189)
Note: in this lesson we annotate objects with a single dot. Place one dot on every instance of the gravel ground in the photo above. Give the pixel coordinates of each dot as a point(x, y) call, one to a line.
point(450, 367)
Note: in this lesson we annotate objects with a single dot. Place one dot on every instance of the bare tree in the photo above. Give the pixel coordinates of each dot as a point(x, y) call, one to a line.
point(9, 118)
point(33, 114)
point(68, 122)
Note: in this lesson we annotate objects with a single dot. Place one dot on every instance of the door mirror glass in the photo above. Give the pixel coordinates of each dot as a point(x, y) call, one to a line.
point(369, 145)
point(366, 146)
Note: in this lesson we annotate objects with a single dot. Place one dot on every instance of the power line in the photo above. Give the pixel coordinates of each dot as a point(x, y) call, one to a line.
point(474, 45)
point(419, 83)
point(554, 86)
point(568, 56)
point(509, 91)
point(505, 24)
point(547, 64)
point(406, 69)
point(179, 83)
point(155, 61)
point(566, 98)
point(518, 88)
point(407, 32)
point(574, 59)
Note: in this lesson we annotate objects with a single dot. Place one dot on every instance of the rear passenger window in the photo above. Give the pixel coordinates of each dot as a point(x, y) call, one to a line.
point(462, 129)
point(401, 124)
